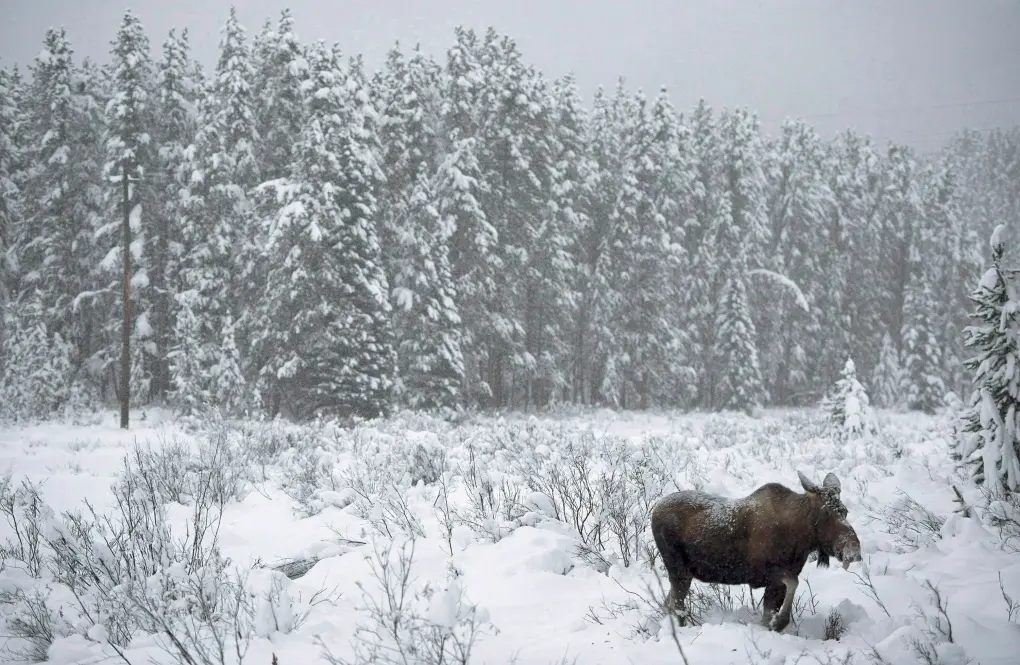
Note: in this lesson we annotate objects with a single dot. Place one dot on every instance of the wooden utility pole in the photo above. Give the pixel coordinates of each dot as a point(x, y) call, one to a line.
point(125, 340)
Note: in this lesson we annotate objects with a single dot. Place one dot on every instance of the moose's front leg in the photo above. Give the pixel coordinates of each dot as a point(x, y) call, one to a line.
point(781, 620)
point(771, 602)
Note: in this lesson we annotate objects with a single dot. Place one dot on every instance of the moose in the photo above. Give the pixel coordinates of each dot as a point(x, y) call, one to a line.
point(762, 540)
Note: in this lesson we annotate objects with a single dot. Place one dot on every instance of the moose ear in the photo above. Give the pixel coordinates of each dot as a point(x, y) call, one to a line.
point(831, 483)
point(808, 485)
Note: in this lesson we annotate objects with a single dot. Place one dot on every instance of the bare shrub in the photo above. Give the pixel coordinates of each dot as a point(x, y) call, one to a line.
point(380, 500)
point(938, 622)
point(23, 508)
point(866, 583)
point(216, 470)
point(495, 505)
point(30, 624)
point(406, 623)
point(427, 464)
point(602, 487)
point(913, 525)
point(126, 570)
point(305, 473)
point(835, 625)
point(1012, 606)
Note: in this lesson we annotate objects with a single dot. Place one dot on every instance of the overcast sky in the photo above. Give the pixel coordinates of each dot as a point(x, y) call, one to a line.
point(911, 70)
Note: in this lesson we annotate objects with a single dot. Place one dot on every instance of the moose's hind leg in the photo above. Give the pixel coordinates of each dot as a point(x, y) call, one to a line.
point(679, 586)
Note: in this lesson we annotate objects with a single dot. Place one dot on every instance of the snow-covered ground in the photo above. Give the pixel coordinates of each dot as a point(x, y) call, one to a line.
point(488, 550)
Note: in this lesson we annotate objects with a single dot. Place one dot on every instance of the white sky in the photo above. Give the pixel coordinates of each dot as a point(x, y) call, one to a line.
point(911, 70)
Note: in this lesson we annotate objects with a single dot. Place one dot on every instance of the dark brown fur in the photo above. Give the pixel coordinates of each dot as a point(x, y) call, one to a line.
point(762, 540)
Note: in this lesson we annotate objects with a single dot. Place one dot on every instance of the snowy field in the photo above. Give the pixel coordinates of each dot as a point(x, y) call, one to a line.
point(521, 540)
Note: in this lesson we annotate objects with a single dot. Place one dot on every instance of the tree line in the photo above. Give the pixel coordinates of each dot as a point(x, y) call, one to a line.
point(311, 238)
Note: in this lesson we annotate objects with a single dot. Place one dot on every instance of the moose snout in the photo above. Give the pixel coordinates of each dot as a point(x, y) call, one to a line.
point(851, 552)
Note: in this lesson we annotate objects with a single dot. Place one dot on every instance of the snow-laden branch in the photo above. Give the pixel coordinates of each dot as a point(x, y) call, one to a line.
point(785, 282)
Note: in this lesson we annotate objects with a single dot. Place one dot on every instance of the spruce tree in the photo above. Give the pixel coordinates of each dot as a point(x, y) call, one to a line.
point(36, 381)
point(922, 386)
point(62, 195)
point(10, 193)
point(887, 378)
point(129, 153)
point(573, 200)
point(800, 204)
point(220, 244)
point(709, 208)
point(324, 328)
point(848, 407)
point(426, 317)
point(176, 91)
point(740, 385)
point(988, 437)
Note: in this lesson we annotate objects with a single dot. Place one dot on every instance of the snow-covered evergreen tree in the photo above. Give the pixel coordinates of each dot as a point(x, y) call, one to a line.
point(576, 173)
point(280, 67)
point(988, 438)
point(897, 224)
point(37, 378)
point(62, 195)
point(648, 248)
point(10, 193)
point(221, 247)
point(848, 407)
point(129, 153)
point(431, 359)
point(176, 92)
point(887, 378)
point(324, 328)
point(923, 388)
point(800, 204)
point(709, 206)
point(739, 386)
point(855, 242)
point(426, 318)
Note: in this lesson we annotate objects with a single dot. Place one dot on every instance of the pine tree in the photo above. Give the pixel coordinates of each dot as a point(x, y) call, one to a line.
point(800, 203)
point(176, 92)
point(897, 224)
point(988, 437)
point(709, 207)
point(857, 242)
point(740, 384)
point(593, 240)
point(221, 248)
point(426, 318)
point(324, 329)
point(129, 154)
point(576, 173)
point(62, 196)
point(887, 378)
point(471, 245)
point(648, 248)
point(432, 361)
point(280, 69)
point(10, 193)
point(37, 377)
point(922, 385)
point(848, 406)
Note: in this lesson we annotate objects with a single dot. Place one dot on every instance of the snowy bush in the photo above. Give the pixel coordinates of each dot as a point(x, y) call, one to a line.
point(408, 623)
point(105, 576)
point(848, 406)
